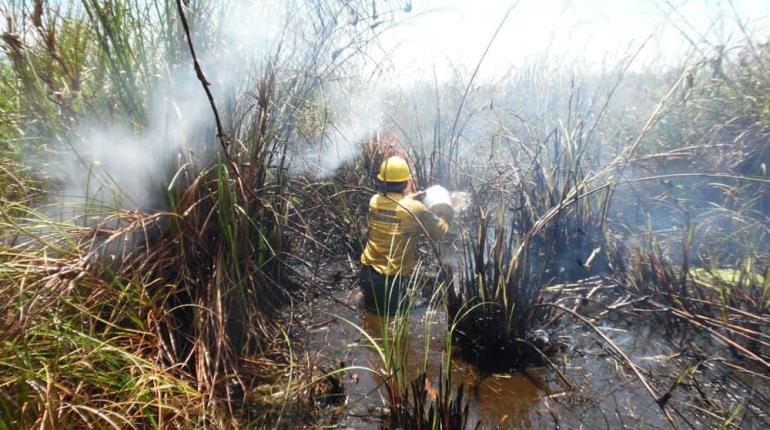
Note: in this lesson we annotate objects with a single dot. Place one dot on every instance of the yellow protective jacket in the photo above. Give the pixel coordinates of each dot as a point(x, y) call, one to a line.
point(395, 221)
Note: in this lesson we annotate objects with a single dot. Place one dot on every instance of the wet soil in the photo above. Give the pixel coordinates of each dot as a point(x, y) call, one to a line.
point(338, 341)
point(598, 393)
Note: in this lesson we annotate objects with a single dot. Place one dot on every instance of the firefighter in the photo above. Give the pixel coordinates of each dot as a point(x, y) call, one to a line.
point(395, 221)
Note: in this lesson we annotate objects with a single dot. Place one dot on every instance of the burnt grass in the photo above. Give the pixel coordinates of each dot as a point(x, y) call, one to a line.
point(505, 320)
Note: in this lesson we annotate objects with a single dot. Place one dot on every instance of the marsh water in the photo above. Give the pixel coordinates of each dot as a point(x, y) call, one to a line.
point(606, 396)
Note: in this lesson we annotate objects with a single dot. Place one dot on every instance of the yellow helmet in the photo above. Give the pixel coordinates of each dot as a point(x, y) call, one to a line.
point(394, 169)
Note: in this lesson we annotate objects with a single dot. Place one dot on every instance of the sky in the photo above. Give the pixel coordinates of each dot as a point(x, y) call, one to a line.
point(592, 33)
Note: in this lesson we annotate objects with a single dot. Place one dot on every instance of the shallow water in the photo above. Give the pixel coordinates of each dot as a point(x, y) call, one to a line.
point(506, 400)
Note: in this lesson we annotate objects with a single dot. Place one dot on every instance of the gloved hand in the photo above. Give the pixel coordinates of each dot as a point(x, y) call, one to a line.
point(418, 195)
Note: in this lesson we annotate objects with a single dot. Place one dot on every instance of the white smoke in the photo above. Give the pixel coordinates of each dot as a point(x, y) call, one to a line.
point(357, 113)
point(107, 165)
point(117, 164)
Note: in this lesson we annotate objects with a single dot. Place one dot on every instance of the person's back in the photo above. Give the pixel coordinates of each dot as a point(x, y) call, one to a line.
point(395, 221)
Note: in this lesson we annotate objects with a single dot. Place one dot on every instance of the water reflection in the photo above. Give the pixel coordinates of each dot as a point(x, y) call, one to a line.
point(498, 400)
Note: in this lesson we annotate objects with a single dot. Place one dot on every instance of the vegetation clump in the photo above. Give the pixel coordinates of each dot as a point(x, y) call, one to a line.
point(164, 295)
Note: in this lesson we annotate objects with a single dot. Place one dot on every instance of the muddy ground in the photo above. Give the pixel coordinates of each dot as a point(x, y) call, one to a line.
point(588, 385)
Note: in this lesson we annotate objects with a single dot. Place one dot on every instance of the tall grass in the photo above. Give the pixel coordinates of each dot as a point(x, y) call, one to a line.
point(510, 255)
point(78, 349)
point(698, 258)
point(411, 399)
point(160, 317)
point(717, 253)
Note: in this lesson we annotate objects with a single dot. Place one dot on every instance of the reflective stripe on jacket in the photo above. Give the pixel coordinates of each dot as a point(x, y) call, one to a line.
point(393, 230)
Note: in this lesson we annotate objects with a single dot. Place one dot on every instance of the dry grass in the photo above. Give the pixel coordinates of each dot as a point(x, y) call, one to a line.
point(164, 317)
